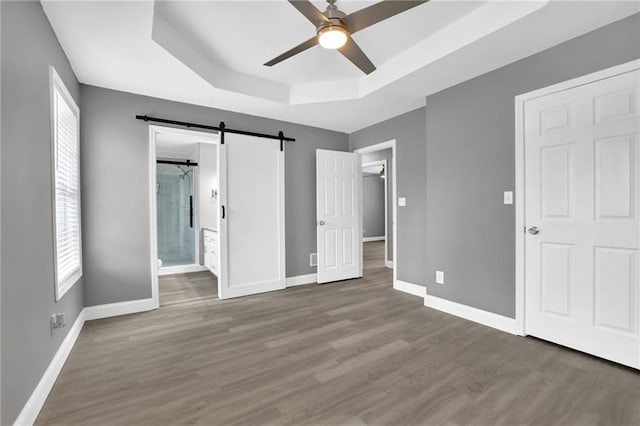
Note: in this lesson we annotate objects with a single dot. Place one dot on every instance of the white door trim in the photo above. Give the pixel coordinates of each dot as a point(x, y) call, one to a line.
point(520, 326)
point(154, 131)
point(394, 207)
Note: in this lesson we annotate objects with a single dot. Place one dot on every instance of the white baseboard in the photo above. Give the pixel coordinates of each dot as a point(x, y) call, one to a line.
point(489, 319)
point(121, 308)
point(181, 269)
point(369, 239)
point(37, 399)
point(302, 280)
point(414, 289)
point(388, 263)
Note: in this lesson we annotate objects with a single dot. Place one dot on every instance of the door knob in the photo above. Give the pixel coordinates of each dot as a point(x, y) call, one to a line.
point(534, 230)
point(321, 223)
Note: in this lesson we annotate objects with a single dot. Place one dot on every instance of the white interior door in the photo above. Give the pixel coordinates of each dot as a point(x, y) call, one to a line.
point(581, 178)
point(338, 215)
point(251, 220)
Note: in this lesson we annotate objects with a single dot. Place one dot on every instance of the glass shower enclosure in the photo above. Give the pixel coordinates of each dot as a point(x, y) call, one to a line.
point(175, 190)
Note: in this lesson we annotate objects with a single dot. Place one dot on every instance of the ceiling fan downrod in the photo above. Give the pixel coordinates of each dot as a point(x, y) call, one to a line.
point(332, 11)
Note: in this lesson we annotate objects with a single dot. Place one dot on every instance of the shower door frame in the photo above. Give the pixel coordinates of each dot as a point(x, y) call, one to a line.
point(195, 189)
point(193, 137)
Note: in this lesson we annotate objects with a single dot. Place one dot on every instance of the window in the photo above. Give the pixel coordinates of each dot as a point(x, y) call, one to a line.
point(65, 128)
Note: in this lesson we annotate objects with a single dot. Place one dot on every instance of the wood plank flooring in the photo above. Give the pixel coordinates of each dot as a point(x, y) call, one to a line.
point(195, 287)
point(349, 353)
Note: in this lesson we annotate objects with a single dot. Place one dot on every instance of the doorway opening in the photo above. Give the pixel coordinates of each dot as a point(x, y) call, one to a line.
point(183, 212)
point(375, 205)
point(379, 208)
point(176, 209)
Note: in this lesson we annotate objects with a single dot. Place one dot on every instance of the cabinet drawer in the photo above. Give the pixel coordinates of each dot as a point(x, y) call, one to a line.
point(210, 237)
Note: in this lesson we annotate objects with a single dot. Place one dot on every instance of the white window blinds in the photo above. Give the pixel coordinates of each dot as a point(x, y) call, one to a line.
point(66, 163)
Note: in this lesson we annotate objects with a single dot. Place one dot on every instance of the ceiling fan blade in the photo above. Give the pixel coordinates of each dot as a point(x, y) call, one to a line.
point(294, 51)
point(352, 52)
point(309, 11)
point(378, 12)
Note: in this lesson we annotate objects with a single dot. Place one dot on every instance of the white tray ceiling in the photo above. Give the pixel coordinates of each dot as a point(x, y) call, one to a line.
point(211, 53)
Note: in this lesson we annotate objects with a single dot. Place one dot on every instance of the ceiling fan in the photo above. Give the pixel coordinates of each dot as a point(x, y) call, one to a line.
point(334, 28)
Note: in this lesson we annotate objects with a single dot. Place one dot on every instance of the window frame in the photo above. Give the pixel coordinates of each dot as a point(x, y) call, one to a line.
point(57, 85)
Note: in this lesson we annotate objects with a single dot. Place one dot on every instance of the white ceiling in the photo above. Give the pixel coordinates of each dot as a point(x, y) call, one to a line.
point(211, 53)
point(204, 25)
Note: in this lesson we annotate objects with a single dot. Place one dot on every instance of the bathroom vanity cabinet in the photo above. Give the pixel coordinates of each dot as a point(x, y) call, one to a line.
point(211, 249)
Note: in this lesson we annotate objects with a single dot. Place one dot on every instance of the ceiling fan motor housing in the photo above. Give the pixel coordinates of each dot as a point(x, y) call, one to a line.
point(332, 24)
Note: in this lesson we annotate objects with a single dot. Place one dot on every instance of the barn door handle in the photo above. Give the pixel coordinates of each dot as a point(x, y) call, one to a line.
point(534, 230)
point(223, 214)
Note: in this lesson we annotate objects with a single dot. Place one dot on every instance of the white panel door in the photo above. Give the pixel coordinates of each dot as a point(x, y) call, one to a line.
point(581, 178)
point(251, 220)
point(338, 183)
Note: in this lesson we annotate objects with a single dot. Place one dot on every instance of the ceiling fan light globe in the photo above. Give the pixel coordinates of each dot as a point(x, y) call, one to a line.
point(332, 37)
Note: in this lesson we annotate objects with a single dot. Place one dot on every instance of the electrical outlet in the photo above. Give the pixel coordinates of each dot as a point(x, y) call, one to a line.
point(57, 321)
point(402, 202)
point(439, 277)
point(313, 259)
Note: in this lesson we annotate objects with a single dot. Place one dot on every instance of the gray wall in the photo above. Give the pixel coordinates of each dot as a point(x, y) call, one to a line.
point(409, 132)
point(470, 162)
point(29, 46)
point(115, 187)
point(373, 206)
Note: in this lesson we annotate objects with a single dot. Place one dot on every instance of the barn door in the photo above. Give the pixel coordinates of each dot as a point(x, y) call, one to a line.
point(251, 220)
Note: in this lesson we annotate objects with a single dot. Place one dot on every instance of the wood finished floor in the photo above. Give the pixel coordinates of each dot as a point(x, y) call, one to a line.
point(348, 353)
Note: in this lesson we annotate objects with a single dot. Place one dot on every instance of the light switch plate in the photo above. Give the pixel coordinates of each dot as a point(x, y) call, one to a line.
point(402, 201)
point(439, 277)
point(508, 197)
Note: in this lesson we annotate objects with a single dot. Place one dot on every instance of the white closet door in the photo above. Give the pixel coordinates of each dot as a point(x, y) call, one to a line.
point(338, 189)
point(581, 148)
point(252, 235)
